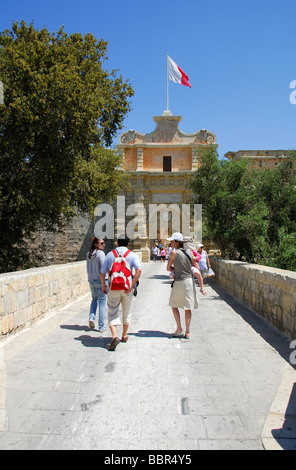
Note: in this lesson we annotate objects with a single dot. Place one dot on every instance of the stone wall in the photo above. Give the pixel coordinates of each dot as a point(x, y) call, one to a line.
point(268, 291)
point(26, 296)
point(66, 245)
point(260, 158)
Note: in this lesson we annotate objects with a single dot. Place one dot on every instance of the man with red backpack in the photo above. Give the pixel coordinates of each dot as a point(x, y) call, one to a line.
point(119, 264)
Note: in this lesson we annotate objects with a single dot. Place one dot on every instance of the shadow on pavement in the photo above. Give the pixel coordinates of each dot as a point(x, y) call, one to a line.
point(77, 327)
point(278, 340)
point(87, 340)
point(151, 334)
point(286, 435)
point(94, 342)
point(103, 342)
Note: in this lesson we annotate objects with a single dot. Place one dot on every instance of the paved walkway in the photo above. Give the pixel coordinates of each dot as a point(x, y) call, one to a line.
point(228, 387)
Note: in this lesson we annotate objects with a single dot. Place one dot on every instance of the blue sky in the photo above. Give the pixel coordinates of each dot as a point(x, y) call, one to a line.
point(239, 56)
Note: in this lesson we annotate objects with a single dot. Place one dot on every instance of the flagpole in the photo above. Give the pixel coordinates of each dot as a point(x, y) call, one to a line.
point(167, 82)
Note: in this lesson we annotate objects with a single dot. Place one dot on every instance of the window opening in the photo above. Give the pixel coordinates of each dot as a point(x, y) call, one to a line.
point(167, 163)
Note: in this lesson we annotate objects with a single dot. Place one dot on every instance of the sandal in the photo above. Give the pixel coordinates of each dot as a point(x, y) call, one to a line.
point(124, 339)
point(178, 335)
point(114, 343)
point(187, 336)
point(203, 292)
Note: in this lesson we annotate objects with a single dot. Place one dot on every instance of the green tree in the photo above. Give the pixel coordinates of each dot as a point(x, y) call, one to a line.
point(61, 110)
point(249, 215)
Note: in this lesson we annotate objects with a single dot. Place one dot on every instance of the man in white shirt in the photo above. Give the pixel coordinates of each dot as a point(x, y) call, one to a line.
point(154, 252)
point(115, 298)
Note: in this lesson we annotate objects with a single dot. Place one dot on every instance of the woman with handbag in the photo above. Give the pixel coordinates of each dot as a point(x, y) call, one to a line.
point(183, 293)
point(204, 262)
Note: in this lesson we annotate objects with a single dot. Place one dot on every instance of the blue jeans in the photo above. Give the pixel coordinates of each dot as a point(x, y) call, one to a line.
point(98, 297)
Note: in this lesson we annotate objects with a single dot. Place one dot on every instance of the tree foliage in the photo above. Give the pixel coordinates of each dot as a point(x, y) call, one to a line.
point(61, 110)
point(248, 215)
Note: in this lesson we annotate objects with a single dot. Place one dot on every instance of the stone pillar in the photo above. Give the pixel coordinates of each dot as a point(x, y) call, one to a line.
point(194, 159)
point(122, 154)
point(139, 159)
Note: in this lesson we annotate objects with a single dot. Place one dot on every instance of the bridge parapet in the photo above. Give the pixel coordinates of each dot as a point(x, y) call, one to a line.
point(26, 296)
point(268, 291)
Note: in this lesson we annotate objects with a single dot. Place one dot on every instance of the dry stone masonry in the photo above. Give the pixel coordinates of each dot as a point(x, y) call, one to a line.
point(271, 292)
point(26, 296)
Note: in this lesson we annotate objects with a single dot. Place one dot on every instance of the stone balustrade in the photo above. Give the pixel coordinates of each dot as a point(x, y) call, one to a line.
point(26, 296)
point(268, 291)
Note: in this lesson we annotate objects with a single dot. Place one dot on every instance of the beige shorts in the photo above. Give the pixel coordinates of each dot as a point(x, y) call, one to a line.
point(116, 298)
point(183, 295)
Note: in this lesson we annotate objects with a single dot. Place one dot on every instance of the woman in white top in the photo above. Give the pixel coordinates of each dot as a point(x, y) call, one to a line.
point(204, 262)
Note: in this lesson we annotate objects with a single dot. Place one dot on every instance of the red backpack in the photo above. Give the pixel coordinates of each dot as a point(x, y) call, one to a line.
point(120, 275)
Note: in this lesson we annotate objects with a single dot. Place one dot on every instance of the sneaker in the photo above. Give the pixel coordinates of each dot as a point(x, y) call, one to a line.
point(101, 330)
point(91, 324)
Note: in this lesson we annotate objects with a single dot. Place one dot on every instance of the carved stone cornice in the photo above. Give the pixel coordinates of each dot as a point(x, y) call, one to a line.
point(167, 133)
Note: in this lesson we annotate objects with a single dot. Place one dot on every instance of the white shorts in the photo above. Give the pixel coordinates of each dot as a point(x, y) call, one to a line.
point(116, 298)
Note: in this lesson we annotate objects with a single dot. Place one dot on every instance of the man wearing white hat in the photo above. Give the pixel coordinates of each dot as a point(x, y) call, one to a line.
point(183, 293)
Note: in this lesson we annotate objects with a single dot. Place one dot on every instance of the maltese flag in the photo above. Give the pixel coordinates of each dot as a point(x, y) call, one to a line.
point(176, 74)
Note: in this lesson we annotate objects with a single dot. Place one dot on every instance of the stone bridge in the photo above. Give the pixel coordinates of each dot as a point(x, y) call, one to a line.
point(231, 386)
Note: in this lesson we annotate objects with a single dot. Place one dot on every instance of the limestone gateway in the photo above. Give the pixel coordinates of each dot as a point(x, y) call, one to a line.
point(160, 164)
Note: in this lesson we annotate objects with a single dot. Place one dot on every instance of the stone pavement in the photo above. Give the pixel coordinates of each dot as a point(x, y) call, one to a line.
point(228, 387)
